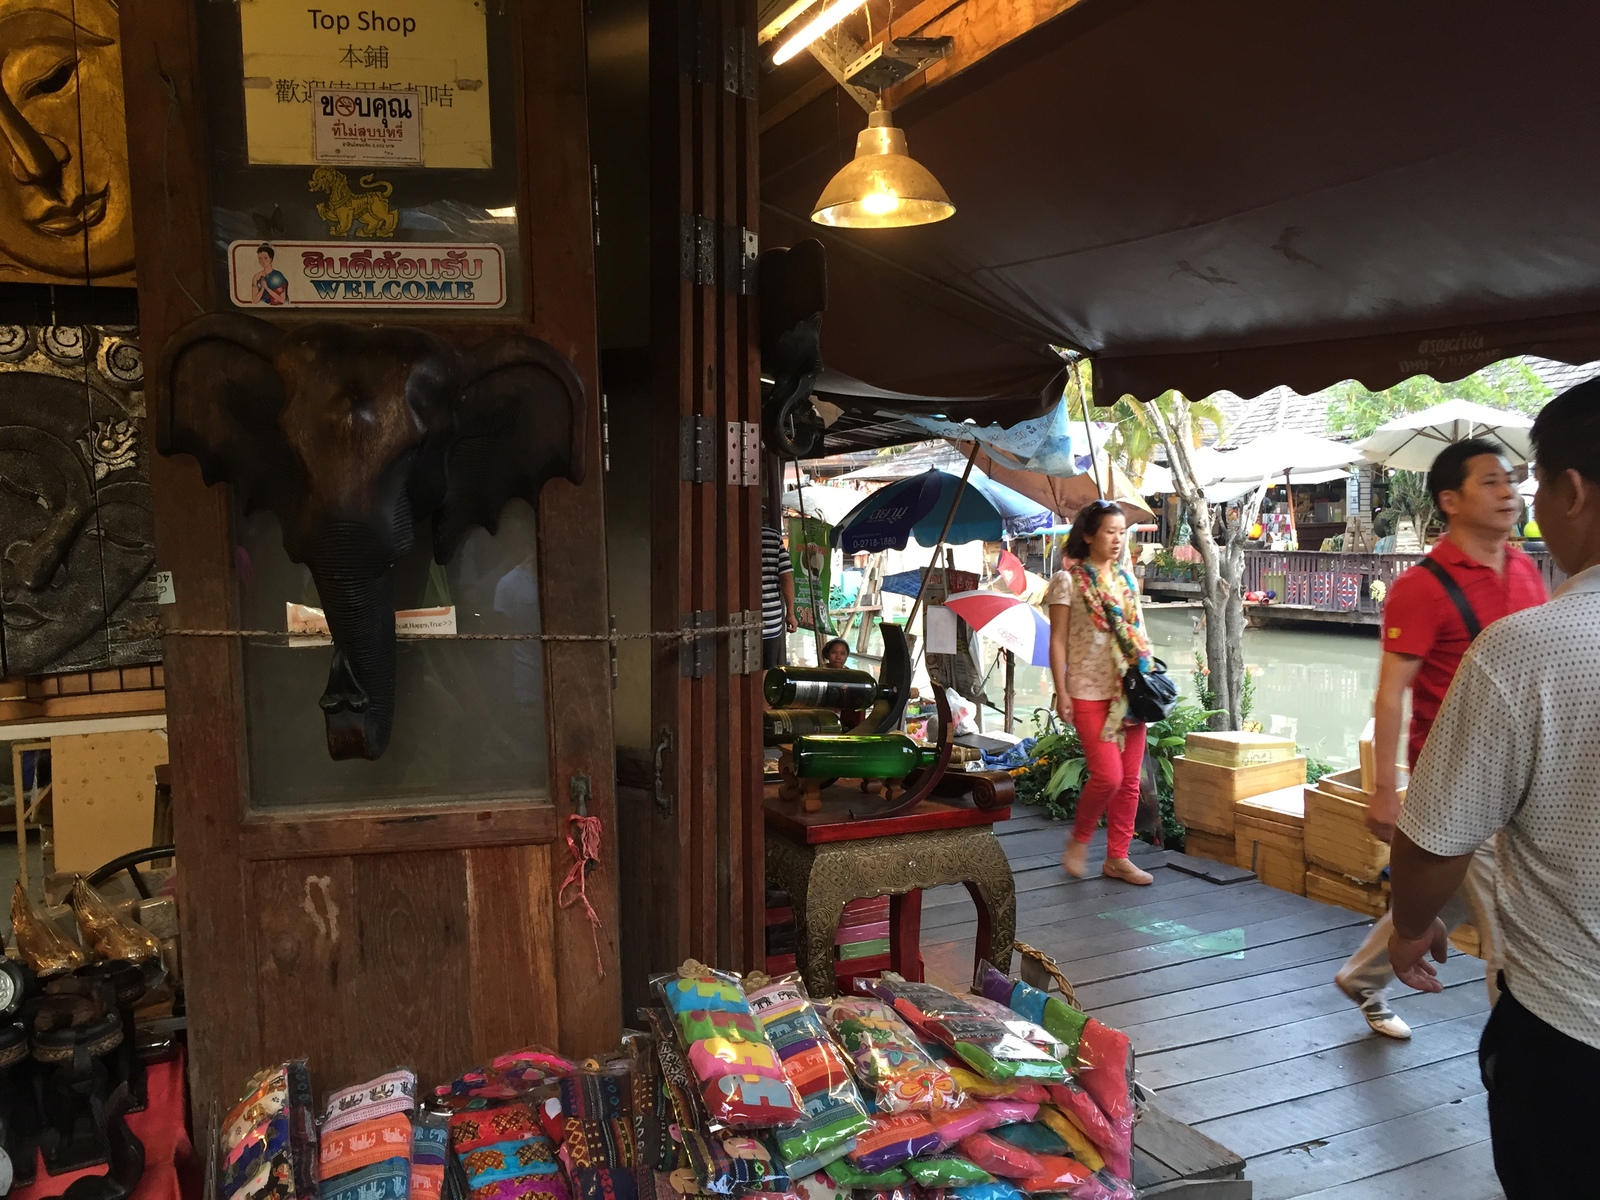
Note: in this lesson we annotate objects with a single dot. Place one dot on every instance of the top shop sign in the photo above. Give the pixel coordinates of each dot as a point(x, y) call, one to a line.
point(370, 21)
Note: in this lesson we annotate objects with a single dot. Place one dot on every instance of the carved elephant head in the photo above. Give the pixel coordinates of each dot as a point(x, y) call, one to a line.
point(353, 436)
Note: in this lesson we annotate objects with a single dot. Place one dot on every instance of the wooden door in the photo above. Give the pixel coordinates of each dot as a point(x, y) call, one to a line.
point(377, 930)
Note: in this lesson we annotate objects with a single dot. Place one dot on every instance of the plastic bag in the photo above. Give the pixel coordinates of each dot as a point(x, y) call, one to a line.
point(1051, 1013)
point(1108, 1073)
point(956, 1124)
point(1009, 1111)
point(1103, 1185)
point(817, 1186)
point(998, 1190)
point(1035, 1137)
point(980, 1041)
point(834, 1112)
point(365, 1144)
point(740, 1082)
point(1000, 1158)
point(1035, 1035)
point(891, 1140)
point(1059, 1174)
point(946, 1171)
point(976, 1085)
point(1077, 1140)
point(888, 1059)
point(847, 1175)
point(1078, 1107)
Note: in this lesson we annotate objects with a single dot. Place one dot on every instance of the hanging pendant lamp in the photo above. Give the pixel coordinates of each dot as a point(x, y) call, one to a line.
point(882, 187)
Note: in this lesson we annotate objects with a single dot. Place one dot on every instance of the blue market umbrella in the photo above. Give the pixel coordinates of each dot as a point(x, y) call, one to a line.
point(917, 508)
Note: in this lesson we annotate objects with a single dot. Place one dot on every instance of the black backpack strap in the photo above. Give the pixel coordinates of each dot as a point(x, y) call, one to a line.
point(1457, 596)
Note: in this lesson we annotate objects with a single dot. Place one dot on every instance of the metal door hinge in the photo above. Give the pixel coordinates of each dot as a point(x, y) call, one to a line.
point(605, 433)
point(744, 646)
point(744, 453)
point(740, 249)
point(697, 656)
point(594, 198)
point(697, 248)
point(741, 64)
point(613, 648)
point(697, 450)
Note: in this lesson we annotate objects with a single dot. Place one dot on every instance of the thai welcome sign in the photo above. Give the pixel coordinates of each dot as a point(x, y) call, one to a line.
point(342, 275)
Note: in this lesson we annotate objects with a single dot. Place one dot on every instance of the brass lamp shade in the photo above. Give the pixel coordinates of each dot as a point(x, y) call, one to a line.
point(882, 187)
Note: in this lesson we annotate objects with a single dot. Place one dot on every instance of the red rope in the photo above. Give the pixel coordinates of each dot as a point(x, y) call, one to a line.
point(585, 850)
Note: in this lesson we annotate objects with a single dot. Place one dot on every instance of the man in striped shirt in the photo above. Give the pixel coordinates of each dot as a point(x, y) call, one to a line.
point(777, 600)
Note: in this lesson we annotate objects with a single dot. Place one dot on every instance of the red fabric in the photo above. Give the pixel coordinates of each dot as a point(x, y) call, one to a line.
point(1420, 620)
point(1010, 569)
point(171, 1169)
point(1113, 787)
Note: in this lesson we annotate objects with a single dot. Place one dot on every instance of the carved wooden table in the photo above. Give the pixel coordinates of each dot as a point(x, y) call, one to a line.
point(826, 859)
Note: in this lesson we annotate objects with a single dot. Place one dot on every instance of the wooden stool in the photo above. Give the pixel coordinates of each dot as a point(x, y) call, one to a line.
point(823, 866)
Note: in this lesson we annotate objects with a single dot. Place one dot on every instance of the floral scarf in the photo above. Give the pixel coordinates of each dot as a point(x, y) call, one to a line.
point(1112, 601)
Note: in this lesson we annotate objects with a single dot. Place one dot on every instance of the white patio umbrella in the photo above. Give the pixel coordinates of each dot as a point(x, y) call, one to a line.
point(1302, 457)
point(1411, 442)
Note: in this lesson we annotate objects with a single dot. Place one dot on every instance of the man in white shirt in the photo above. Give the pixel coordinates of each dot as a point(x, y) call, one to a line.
point(1515, 751)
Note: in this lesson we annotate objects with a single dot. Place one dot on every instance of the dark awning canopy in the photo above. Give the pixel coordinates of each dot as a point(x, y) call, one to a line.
point(1226, 196)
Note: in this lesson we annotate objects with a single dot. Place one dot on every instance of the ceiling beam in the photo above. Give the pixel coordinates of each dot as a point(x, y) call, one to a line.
point(979, 27)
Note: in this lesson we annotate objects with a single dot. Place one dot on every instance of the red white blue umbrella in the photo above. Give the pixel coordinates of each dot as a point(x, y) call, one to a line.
point(1008, 620)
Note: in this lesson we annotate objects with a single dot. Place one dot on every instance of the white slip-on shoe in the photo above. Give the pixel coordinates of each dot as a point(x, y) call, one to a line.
point(1380, 1017)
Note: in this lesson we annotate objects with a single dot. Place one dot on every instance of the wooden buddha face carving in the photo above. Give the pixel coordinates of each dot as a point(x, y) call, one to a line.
point(64, 206)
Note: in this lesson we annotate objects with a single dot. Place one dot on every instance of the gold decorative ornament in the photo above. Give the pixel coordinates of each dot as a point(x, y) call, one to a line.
point(65, 211)
point(366, 214)
point(109, 934)
point(41, 945)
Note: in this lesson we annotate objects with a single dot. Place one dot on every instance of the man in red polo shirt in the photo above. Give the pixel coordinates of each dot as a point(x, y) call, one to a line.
point(1470, 579)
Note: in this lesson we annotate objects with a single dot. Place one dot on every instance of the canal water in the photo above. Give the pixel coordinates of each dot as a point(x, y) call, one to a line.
point(1312, 685)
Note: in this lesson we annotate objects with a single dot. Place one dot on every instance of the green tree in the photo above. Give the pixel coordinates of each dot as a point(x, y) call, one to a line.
point(1355, 411)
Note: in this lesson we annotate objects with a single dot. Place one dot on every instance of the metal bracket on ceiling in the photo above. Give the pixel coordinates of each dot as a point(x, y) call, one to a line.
point(836, 52)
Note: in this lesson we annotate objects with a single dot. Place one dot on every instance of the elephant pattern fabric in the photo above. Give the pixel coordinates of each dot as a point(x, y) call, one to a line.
point(364, 441)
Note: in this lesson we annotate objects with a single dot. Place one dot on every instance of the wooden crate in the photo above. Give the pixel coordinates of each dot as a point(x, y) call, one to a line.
point(1269, 837)
point(1204, 795)
point(1330, 887)
point(1337, 838)
point(1237, 749)
point(1215, 846)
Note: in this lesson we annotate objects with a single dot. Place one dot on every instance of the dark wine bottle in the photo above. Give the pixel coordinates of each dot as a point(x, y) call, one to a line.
point(860, 756)
point(780, 726)
point(820, 687)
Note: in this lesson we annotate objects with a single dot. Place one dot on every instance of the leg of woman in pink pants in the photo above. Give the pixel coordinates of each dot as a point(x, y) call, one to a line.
point(1112, 791)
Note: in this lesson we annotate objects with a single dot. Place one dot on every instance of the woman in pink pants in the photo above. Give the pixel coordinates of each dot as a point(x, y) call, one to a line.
point(1096, 636)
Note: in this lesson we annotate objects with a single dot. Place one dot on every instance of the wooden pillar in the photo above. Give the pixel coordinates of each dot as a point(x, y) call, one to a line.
point(706, 533)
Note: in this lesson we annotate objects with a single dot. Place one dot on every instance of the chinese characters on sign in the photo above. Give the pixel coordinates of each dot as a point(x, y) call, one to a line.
point(368, 128)
point(340, 275)
point(434, 51)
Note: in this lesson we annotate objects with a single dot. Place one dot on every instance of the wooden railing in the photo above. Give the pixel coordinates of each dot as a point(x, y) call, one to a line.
point(1332, 582)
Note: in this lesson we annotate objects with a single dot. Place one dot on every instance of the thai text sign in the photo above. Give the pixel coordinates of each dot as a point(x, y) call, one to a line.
point(366, 128)
point(437, 49)
point(342, 275)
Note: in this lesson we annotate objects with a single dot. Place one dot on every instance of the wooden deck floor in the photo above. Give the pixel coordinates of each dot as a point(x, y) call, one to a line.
point(1227, 993)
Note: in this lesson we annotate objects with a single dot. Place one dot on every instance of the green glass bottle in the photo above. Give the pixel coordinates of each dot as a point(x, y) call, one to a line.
point(860, 756)
point(819, 687)
point(780, 726)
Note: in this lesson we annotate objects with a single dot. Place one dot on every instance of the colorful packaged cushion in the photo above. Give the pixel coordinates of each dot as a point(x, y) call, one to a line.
point(889, 1059)
point(1000, 1158)
point(355, 1147)
point(817, 1186)
point(1035, 1137)
point(1035, 1035)
point(1059, 1174)
point(976, 1086)
point(980, 1041)
point(847, 1175)
point(508, 1077)
point(388, 1094)
point(522, 1187)
point(834, 1112)
point(971, 1117)
point(386, 1180)
point(740, 1082)
point(945, 1171)
point(599, 1129)
point(998, 1190)
point(430, 1151)
point(1051, 1013)
point(269, 1140)
point(892, 1139)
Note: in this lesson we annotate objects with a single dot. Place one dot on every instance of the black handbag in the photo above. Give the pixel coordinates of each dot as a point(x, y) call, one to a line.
point(1151, 694)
